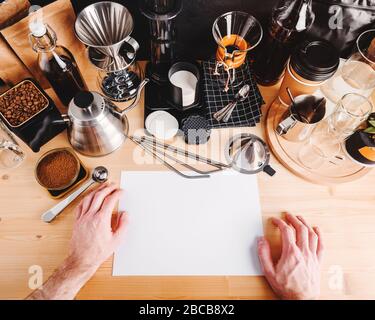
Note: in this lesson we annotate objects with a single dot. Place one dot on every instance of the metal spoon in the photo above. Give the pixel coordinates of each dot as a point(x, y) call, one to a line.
point(225, 113)
point(100, 175)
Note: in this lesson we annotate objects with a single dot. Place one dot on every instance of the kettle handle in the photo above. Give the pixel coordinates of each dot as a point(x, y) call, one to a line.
point(138, 97)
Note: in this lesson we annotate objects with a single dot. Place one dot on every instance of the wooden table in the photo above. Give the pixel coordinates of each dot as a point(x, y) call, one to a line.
point(345, 213)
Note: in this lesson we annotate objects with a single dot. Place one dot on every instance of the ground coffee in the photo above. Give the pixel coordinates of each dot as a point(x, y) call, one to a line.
point(57, 170)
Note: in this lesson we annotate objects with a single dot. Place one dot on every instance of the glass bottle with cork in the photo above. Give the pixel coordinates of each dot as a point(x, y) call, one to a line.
point(290, 20)
point(56, 62)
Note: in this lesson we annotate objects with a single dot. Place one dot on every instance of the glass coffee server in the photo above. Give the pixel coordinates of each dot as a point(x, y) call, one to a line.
point(236, 33)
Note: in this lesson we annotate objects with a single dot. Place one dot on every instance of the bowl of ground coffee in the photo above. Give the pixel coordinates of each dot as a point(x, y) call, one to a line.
point(58, 169)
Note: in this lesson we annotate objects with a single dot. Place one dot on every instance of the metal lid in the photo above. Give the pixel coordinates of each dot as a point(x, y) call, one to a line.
point(316, 60)
point(86, 107)
point(247, 153)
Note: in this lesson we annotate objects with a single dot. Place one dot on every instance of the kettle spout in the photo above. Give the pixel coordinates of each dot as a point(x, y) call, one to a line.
point(138, 97)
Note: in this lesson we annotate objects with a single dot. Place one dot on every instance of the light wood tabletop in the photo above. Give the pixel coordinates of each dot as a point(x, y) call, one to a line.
point(345, 213)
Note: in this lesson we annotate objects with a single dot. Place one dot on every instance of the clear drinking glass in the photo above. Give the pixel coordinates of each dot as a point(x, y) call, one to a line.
point(351, 111)
point(357, 75)
point(11, 155)
point(326, 140)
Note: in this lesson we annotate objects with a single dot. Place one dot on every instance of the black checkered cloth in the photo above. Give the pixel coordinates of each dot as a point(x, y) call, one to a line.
point(247, 113)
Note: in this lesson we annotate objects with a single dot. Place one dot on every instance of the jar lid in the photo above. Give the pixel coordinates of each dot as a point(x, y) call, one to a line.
point(196, 129)
point(316, 60)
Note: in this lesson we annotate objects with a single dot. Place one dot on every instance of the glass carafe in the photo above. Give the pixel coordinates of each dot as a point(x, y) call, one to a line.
point(236, 33)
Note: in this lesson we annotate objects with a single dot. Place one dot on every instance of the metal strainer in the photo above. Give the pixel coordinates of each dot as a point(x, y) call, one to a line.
point(248, 154)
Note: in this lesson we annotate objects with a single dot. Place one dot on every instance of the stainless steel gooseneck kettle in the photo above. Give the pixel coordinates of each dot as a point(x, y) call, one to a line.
point(96, 126)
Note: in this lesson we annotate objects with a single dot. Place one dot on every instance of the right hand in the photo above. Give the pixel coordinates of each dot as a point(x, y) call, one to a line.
point(297, 274)
point(94, 239)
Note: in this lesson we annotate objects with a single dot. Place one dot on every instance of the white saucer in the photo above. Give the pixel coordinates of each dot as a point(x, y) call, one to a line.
point(162, 125)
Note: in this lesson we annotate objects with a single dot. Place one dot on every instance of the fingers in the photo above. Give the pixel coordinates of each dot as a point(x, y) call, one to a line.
point(100, 196)
point(119, 233)
point(302, 232)
point(87, 200)
point(287, 233)
point(265, 258)
point(79, 211)
point(320, 247)
point(313, 237)
point(110, 203)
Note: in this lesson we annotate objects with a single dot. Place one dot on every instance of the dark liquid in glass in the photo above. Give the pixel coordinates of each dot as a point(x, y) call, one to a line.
point(281, 38)
point(269, 67)
point(66, 82)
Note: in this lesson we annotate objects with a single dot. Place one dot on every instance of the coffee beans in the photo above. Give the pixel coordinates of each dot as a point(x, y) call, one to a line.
point(22, 102)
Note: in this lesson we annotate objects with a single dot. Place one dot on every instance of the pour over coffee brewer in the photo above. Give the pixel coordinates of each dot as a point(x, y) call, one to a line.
point(236, 33)
point(105, 28)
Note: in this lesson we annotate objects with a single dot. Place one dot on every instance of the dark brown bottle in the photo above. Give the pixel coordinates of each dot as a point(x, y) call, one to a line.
point(56, 63)
point(290, 20)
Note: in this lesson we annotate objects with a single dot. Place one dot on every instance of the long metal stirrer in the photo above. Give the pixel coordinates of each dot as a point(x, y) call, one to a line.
point(186, 165)
point(185, 153)
point(165, 163)
point(199, 172)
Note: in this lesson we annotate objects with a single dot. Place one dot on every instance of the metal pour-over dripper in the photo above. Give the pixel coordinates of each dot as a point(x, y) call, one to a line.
point(105, 27)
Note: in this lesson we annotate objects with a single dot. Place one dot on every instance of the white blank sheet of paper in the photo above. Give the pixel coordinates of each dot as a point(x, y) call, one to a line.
point(184, 227)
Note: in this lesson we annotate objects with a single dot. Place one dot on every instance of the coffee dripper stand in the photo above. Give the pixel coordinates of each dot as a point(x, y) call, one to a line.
point(111, 49)
point(160, 93)
point(122, 84)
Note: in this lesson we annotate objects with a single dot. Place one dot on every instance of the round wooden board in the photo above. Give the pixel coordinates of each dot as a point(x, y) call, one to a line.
point(287, 153)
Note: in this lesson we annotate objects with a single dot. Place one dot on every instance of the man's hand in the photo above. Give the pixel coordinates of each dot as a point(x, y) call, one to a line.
point(94, 239)
point(297, 274)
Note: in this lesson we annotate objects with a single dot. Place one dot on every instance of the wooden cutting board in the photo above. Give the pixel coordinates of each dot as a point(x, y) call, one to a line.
point(287, 153)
